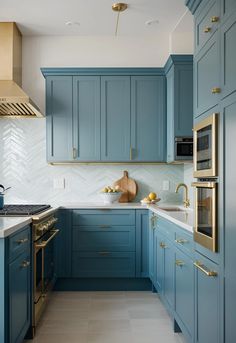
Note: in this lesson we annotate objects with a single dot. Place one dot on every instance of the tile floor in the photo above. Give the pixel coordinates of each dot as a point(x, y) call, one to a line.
point(106, 317)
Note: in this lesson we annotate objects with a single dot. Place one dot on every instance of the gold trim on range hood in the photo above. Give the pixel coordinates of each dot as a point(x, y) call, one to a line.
point(14, 102)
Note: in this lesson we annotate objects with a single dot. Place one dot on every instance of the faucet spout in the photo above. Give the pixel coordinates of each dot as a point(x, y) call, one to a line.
point(186, 200)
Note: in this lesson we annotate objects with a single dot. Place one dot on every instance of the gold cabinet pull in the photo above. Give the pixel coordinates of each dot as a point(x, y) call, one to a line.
point(204, 269)
point(25, 264)
point(74, 153)
point(130, 153)
point(215, 90)
point(105, 226)
point(104, 253)
point(179, 263)
point(22, 241)
point(207, 29)
point(181, 241)
point(162, 245)
point(215, 19)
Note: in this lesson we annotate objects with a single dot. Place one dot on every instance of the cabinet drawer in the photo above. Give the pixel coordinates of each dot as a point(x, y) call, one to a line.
point(103, 217)
point(184, 241)
point(166, 228)
point(103, 264)
point(112, 238)
point(19, 242)
point(206, 24)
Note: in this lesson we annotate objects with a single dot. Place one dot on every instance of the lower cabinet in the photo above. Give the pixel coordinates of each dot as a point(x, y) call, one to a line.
point(19, 298)
point(207, 301)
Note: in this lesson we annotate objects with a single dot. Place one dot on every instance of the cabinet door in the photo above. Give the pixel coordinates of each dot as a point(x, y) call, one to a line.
point(115, 118)
point(206, 77)
point(184, 290)
point(169, 258)
point(206, 302)
point(230, 223)
point(228, 55)
point(159, 243)
point(59, 118)
point(142, 243)
point(148, 115)
point(19, 298)
point(227, 7)
point(86, 118)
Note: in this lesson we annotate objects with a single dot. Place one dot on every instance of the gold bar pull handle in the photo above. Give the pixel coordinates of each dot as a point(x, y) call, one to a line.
point(74, 153)
point(207, 29)
point(181, 241)
point(22, 241)
point(215, 90)
point(104, 253)
point(179, 263)
point(105, 226)
point(130, 153)
point(204, 269)
point(215, 19)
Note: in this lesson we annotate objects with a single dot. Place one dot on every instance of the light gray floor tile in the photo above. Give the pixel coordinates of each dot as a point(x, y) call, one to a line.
point(108, 326)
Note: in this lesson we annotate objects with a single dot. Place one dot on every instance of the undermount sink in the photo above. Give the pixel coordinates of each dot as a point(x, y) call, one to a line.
point(172, 209)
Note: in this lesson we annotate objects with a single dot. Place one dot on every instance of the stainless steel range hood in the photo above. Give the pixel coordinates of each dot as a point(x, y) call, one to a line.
point(14, 102)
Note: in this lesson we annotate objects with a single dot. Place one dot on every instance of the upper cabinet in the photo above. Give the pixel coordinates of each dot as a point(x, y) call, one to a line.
point(115, 115)
point(59, 112)
point(179, 78)
point(86, 118)
point(148, 119)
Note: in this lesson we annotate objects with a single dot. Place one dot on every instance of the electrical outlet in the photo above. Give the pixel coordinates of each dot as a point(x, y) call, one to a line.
point(166, 185)
point(59, 183)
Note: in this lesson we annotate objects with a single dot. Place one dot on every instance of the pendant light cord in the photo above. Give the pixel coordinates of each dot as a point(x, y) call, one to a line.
point(117, 23)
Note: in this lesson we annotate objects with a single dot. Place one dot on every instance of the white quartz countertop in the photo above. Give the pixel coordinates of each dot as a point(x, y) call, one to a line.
point(9, 225)
point(184, 218)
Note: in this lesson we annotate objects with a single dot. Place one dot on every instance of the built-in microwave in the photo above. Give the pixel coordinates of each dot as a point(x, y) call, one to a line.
point(183, 148)
point(205, 147)
point(205, 221)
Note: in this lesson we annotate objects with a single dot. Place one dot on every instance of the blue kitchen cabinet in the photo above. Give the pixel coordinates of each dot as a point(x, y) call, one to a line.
point(148, 119)
point(59, 113)
point(15, 286)
point(230, 220)
point(228, 56)
point(206, 22)
point(207, 77)
point(86, 118)
point(142, 243)
point(115, 119)
point(179, 78)
point(184, 293)
point(63, 244)
point(19, 297)
point(207, 301)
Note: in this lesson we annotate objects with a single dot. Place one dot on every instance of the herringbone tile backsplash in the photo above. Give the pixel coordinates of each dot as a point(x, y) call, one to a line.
point(23, 166)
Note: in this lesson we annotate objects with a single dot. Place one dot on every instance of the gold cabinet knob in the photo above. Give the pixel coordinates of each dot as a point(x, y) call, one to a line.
point(179, 263)
point(215, 90)
point(207, 29)
point(162, 245)
point(215, 19)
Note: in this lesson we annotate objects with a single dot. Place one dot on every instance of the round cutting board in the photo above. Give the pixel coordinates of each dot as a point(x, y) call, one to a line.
point(128, 186)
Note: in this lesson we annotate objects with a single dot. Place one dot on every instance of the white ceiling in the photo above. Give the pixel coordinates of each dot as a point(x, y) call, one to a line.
point(96, 18)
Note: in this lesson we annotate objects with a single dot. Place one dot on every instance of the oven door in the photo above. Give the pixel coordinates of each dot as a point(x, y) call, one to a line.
point(205, 227)
point(205, 147)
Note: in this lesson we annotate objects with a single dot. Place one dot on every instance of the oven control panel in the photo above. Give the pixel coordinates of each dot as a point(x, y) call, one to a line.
point(39, 229)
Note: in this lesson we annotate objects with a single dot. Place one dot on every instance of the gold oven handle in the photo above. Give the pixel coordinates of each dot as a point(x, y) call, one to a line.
point(44, 244)
point(205, 270)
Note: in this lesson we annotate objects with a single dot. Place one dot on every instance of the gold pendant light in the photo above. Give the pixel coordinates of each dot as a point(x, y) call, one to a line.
point(119, 7)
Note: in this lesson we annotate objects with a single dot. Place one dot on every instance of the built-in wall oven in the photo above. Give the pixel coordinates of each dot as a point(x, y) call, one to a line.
point(205, 147)
point(205, 226)
point(44, 233)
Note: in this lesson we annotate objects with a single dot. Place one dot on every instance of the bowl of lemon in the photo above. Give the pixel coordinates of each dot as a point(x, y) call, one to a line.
point(152, 198)
point(110, 194)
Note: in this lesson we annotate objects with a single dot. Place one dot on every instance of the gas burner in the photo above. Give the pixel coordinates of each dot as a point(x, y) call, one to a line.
point(23, 210)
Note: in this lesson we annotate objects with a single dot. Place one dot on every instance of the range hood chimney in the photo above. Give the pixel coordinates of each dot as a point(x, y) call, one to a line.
point(14, 102)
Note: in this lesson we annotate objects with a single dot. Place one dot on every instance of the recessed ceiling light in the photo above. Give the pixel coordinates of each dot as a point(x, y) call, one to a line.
point(72, 23)
point(152, 22)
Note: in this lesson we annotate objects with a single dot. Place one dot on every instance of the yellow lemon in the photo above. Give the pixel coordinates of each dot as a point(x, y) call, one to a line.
point(152, 196)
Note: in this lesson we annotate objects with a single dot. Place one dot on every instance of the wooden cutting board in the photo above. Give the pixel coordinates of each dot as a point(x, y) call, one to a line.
point(128, 186)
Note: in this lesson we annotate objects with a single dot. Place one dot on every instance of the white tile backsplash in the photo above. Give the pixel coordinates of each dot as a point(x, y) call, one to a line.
point(23, 166)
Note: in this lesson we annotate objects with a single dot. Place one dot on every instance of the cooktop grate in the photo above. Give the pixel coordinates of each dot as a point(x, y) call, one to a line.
point(23, 210)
